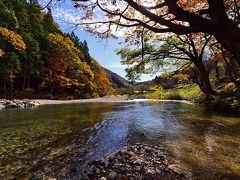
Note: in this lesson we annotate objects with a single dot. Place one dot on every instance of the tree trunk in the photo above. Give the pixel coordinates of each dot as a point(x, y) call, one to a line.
point(28, 81)
point(5, 86)
point(217, 71)
point(24, 82)
point(11, 85)
point(203, 75)
point(231, 71)
point(229, 37)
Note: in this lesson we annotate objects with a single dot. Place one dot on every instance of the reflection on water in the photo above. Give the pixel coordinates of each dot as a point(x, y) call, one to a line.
point(205, 144)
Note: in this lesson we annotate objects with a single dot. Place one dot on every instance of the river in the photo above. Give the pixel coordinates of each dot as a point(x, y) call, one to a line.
point(57, 140)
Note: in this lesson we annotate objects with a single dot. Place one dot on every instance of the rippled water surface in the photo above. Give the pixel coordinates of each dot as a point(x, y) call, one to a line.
point(55, 138)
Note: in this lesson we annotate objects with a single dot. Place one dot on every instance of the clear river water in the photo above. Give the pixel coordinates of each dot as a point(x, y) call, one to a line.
point(50, 139)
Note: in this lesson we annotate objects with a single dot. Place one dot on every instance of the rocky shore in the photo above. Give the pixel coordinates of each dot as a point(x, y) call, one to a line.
point(11, 104)
point(138, 162)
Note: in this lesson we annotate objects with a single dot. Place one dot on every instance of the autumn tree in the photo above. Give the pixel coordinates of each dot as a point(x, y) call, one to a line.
point(65, 68)
point(222, 59)
point(10, 43)
point(216, 17)
point(10, 38)
point(102, 82)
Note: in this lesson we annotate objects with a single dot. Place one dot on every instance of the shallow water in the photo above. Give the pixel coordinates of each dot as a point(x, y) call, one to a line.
point(45, 140)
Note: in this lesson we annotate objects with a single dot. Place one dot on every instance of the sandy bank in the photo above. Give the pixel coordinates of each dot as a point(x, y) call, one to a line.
point(47, 101)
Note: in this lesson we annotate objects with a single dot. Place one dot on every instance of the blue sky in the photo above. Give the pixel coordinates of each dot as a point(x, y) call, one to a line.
point(102, 50)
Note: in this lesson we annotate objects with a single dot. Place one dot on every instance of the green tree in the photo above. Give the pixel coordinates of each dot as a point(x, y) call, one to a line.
point(66, 65)
point(174, 52)
point(9, 65)
point(21, 10)
point(49, 25)
point(8, 18)
point(83, 46)
point(31, 59)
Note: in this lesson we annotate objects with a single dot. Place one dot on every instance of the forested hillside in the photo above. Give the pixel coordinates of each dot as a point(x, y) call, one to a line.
point(38, 60)
point(118, 81)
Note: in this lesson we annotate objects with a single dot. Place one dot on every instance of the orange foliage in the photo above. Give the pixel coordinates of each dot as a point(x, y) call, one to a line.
point(56, 73)
point(87, 72)
point(65, 68)
point(216, 57)
point(193, 5)
point(102, 82)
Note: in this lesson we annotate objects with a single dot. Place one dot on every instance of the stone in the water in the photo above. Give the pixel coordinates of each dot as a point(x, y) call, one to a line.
point(138, 168)
point(112, 175)
point(123, 177)
point(103, 178)
point(158, 171)
point(137, 162)
point(85, 178)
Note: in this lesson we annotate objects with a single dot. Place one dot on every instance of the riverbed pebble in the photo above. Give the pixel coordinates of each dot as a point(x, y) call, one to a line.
point(136, 162)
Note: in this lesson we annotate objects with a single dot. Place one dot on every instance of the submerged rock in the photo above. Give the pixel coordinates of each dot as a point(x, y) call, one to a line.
point(112, 175)
point(136, 162)
point(103, 178)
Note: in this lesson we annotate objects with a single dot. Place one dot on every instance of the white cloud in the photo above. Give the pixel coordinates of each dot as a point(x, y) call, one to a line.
point(117, 65)
point(64, 12)
point(67, 15)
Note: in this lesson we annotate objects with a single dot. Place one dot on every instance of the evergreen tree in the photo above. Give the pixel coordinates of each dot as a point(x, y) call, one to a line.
point(8, 18)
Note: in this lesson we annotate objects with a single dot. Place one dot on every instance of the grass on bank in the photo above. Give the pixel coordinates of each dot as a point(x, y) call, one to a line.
point(188, 92)
point(226, 100)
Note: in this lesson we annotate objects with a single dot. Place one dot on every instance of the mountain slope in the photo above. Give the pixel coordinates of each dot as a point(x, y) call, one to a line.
point(117, 80)
point(144, 86)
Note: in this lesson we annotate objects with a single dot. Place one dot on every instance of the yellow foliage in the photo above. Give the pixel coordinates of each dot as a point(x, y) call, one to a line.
point(2, 52)
point(65, 63)
point(13, 38)
point(87, 71)
point(102, 82)
point(67, 69)
point(181, 77)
